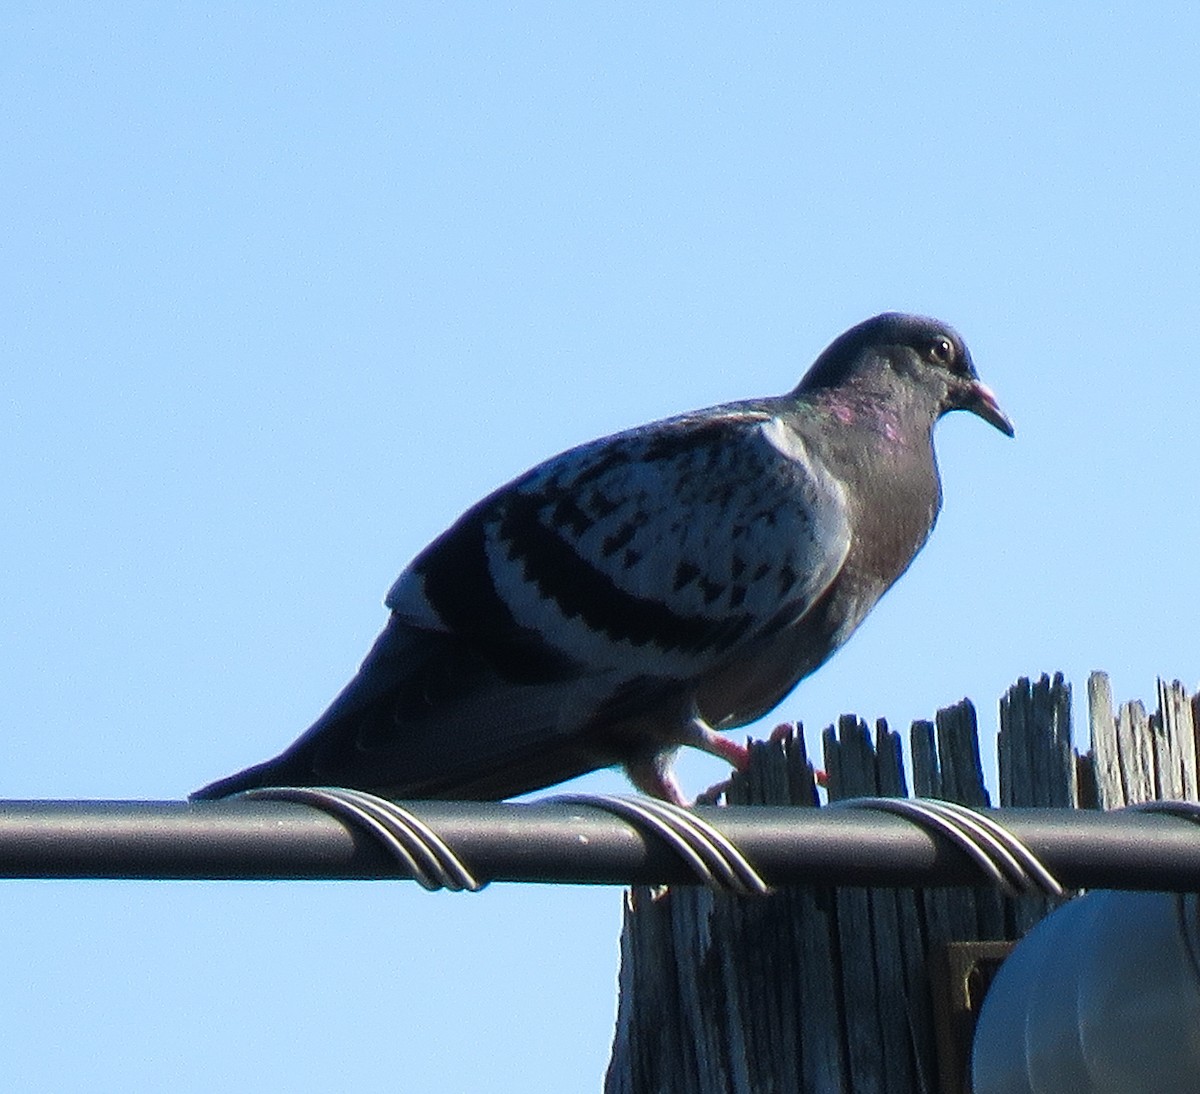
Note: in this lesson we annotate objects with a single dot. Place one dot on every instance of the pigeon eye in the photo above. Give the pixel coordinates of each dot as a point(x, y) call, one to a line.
point(942, 351)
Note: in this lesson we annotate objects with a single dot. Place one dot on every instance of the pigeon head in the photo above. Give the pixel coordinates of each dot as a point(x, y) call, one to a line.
point(909, 359)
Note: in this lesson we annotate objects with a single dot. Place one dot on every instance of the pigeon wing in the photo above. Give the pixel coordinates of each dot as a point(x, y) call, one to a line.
point(658, 552)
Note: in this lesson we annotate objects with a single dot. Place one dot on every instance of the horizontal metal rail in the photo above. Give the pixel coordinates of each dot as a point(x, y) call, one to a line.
point(577, 843)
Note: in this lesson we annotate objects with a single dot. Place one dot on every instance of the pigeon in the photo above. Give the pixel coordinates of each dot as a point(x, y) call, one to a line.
point(650, 589)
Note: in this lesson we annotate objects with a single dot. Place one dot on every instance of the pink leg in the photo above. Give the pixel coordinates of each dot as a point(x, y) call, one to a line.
point(702, 736)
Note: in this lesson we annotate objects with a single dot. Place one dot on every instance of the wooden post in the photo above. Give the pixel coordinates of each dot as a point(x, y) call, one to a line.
point(1141, 757)
point(823, 990)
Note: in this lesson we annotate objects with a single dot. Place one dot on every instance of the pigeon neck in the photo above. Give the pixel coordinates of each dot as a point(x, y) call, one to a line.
point(885, 447)
point(887, 421)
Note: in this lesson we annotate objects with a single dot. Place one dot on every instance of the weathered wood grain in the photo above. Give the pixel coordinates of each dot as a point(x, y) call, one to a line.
point(1106, 749)
point(1037, 766)
point(850, 762)
point(823, 990)
point(1135, 747)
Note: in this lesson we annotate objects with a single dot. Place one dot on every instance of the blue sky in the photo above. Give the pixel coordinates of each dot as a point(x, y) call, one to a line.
point(286, 288)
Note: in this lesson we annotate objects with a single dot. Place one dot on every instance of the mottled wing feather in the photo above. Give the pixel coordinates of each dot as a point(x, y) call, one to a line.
point(656, 552)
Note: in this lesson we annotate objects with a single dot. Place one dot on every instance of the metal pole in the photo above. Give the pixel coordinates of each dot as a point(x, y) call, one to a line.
point(574, 843)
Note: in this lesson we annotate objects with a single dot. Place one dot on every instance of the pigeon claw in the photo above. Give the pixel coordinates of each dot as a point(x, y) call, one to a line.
point(702, 736)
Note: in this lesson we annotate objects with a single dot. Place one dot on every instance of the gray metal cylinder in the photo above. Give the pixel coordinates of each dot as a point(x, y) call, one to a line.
point(1102, 997)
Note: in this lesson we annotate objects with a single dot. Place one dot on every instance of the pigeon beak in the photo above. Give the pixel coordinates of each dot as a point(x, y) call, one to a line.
point(982, 401)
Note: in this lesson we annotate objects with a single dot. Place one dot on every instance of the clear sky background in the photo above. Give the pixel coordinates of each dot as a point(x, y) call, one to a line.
point(284, 288)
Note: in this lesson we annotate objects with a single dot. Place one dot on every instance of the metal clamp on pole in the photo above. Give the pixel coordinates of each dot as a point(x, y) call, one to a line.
point(1007, 861)
point(418, 849)
point(711, 855)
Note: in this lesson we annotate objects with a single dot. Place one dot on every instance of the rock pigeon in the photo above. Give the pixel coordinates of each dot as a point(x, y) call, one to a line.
point(651, 588)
